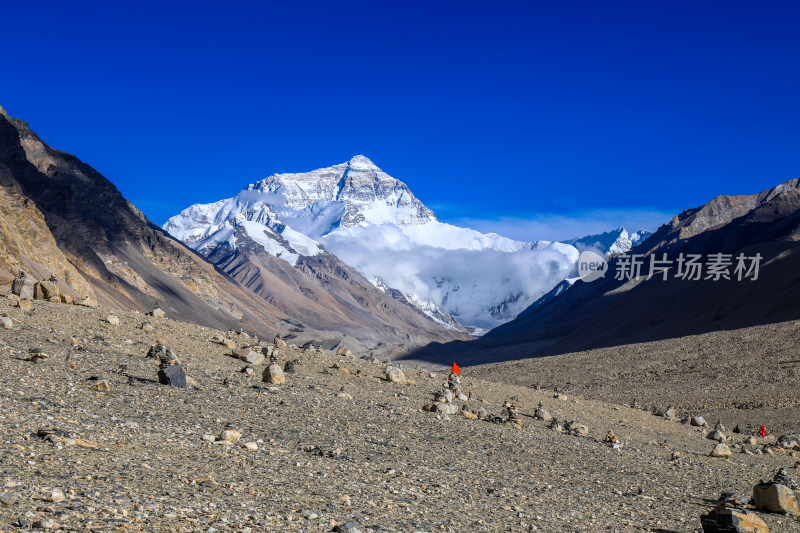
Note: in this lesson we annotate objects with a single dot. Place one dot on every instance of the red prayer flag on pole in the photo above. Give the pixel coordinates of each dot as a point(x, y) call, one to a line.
point(456, 370)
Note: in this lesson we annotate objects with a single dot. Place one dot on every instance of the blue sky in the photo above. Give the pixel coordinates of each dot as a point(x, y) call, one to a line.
point(533, 119)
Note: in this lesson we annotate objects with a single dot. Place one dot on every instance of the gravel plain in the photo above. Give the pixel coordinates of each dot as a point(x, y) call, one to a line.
point(336, 444)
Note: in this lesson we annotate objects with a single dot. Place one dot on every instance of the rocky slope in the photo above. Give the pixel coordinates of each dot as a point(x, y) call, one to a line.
point(91, 440)
point(375, 224)
point(624, 307)
point(61, 218)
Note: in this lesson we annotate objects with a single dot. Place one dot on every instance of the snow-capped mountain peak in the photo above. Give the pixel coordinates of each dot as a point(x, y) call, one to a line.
point(617, 241)
point(374, 223)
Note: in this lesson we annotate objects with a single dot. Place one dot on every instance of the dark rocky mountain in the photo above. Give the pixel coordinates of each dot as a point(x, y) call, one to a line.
point(612, 312)
point(61, 218)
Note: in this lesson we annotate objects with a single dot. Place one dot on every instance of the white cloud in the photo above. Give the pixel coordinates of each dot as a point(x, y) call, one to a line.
point(563, 226)
point(481, 287)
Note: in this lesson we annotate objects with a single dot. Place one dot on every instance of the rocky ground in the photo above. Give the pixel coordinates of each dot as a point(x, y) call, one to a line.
point(336, 444)
point(749, 376)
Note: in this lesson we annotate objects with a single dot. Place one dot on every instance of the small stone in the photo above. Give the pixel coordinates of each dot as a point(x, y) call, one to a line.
point(469, 414)
point(157, 313)
point(698, 421)
point(208, 437)
point(344, 352)
point(230, 436)
point(102, 386)
point(6, 322)
point(611, 438)
point(666, 412)
point(9, 498)
point(56, 496)
point(395, 375)
point(721, 450)
point(46, 523)
point(349, 527)
point(25, 305)
point(249, 370)
point(273, 374)
point(147, 326)
point(251, 446)
point(113, 320)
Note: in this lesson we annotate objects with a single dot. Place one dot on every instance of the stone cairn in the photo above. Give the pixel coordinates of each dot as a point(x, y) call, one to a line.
point(170, 371)
point(511, 414)
point(443, 399)
point(729, 516)
point(274, 374)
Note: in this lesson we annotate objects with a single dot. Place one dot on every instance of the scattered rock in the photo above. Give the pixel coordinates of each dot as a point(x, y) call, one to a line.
point(469, 414)
point(344, 351)
point(46, 523)
point(790, 442)
point(84, 302)
point(666, 412)
point(56, 496)
point(230, 436)
point(113, 320)
point(172, 375)
point(251, 446)
point(6, 322)
point(721, 450)
point(698, 421)
point(394, 374)
point(250, 356)
point(443, 408)
point(611, 438)
point(273, 374)
point(157, 313)
point(37, 354)
point(25, 305)
point(9, 498)
point(717, 435)
point(102, 386)
point(349, 527)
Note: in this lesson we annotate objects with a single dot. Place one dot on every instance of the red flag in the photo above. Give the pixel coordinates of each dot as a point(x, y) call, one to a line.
point(455, 370)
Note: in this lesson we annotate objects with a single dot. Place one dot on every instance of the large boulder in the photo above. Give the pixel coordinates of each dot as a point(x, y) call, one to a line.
point(45, 290)
point(778, 496)
point(172, 375)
